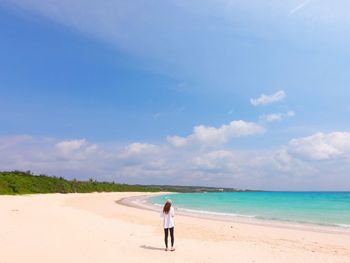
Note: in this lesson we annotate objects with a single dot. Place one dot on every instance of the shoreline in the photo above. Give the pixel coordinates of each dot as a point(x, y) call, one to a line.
point(140, 202)
point(93, 227)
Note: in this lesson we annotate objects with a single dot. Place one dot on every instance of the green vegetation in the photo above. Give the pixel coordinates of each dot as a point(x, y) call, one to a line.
point(18, 182)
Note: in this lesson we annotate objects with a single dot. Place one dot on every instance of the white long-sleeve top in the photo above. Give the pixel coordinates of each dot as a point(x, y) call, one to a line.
point(168, 219)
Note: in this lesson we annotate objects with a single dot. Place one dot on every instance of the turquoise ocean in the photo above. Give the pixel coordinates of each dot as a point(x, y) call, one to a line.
point(318, 208)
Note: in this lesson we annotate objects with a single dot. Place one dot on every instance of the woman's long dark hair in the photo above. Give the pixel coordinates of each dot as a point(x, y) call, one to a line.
point(166, 207)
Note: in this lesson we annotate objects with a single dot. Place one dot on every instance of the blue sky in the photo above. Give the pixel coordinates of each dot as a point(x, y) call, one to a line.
point(160, 92)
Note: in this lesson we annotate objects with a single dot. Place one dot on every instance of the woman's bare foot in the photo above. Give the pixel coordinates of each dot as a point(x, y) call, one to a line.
point(172, 249)
point(166, 249)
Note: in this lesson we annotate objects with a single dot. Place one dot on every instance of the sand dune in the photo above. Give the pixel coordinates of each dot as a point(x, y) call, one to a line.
point(94, 228)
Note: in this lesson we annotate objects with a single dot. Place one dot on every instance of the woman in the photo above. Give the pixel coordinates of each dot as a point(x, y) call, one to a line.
point(168, 223)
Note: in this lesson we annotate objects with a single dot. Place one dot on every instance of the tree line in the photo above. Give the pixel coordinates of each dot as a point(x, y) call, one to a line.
point(24, 182)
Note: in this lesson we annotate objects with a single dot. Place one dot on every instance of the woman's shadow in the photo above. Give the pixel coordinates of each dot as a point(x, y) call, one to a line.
point(151, 248)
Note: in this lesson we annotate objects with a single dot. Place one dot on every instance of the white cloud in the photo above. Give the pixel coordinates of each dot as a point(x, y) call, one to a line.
point(68, 147)
point(137, 148)
point(11, 141)
point(321, 146)
point(268, 99)
point(177, 141)
point(73, 150)
point(276, 116)
point(157, 115)
point(220, 160)
point(283, 161)
point(211, 136)
point(299, 7)
point(287, 167)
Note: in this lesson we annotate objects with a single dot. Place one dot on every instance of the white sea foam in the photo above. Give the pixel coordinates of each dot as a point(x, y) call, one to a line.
point(343, 225)
point(214, 213)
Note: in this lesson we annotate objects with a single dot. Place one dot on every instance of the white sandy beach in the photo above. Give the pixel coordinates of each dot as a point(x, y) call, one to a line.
point(94, 228)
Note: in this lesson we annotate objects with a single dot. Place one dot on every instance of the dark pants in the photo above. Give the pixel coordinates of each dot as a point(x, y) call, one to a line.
point(166, 232)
